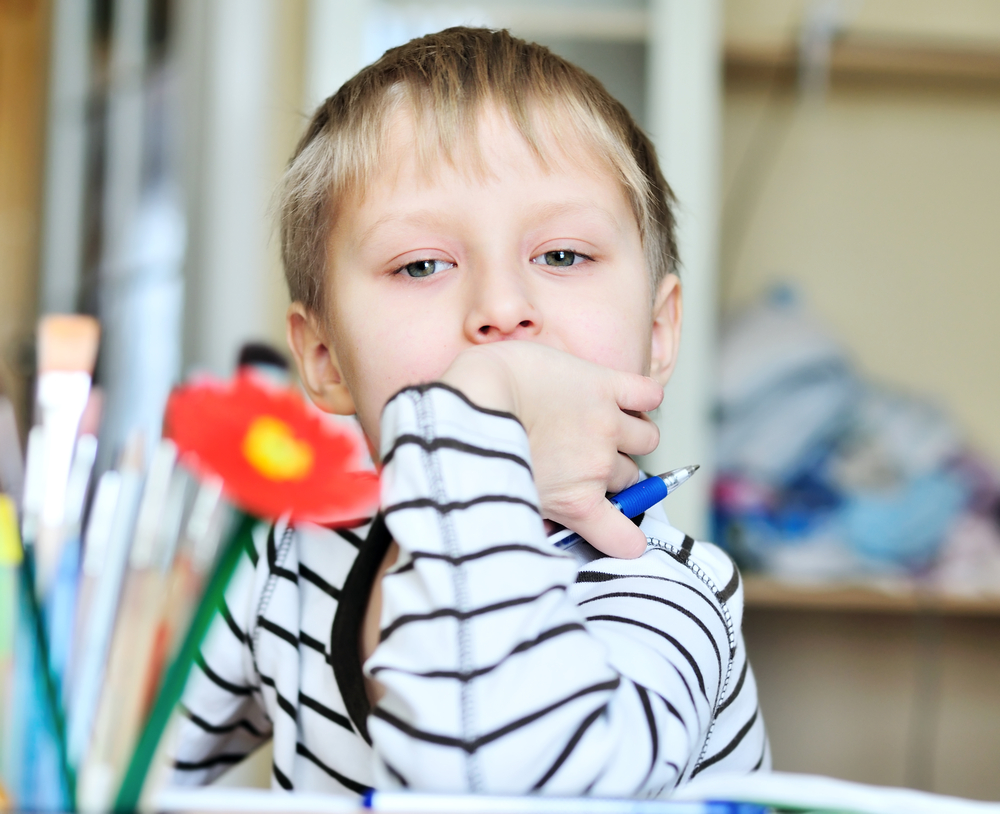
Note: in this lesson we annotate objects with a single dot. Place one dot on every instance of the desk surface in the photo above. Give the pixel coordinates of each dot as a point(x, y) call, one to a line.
point(871, 597)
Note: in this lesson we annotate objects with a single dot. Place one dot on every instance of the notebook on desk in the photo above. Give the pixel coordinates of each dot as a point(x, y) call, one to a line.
point(814, 793)
point(257, 801)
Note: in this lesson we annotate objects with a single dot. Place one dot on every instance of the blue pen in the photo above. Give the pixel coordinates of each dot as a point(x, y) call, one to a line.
point(631, 502)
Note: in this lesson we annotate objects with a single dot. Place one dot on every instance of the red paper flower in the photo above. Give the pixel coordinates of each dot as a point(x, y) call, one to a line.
point(274, 456)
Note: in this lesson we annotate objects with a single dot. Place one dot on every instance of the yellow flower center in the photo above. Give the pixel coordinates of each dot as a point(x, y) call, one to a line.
point(274, 451)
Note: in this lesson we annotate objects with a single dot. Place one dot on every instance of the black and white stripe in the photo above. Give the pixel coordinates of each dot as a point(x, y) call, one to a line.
point(480, 695)
point(507, 666)
point(264, 670)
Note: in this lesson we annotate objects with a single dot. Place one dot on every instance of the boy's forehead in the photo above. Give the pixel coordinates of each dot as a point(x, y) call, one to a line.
point(492, 147)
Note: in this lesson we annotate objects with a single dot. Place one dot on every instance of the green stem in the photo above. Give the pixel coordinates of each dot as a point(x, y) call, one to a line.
point(177, 675)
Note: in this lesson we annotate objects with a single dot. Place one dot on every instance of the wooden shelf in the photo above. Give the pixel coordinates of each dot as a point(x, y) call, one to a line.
point(766, 593)
point(870, 58)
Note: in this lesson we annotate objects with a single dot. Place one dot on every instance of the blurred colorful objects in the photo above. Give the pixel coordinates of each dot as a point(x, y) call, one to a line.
point(95, 652)
point(273, 454)
point(825, 476)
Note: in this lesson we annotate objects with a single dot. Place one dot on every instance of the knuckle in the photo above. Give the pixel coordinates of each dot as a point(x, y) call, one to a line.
point(576, 506)
point(653, 437)
point(605, 425)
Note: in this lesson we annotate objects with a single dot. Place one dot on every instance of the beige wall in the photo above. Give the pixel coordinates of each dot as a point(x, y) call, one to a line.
point(881, 203)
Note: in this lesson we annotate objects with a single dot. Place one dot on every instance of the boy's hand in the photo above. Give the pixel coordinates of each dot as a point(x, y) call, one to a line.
point(582, 420)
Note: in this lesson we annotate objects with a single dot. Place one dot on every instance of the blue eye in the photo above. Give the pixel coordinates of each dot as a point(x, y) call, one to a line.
point(424, 268)
point(560, 258)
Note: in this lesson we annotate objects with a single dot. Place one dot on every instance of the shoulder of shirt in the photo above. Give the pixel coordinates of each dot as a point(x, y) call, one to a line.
point(270, 539)
point(292, 556)
point(717, 564)
point(673, 555)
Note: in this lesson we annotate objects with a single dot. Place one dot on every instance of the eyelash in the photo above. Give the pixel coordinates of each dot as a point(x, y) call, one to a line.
point(402, 269)
point(576, 255)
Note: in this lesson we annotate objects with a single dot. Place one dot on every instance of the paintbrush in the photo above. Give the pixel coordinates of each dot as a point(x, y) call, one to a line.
point(67, 350)
point(33, 493)
point(132, 655)
point(95, 552)
point(63, 599)
point(60, 604)
point(104, 604)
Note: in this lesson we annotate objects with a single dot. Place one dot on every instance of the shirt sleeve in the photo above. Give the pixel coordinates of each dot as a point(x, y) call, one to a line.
point(222, 715)
point(505, 674)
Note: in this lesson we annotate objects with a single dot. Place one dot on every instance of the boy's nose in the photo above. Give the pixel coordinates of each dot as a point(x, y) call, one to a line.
point(502, 308)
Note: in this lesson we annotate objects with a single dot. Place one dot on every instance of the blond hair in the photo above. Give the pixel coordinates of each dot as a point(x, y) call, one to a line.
point(447, 79)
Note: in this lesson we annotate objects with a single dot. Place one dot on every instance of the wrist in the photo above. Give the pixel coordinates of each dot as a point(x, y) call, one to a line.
point(483, 379)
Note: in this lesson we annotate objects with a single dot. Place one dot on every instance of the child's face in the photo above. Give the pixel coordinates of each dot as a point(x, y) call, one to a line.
point(429, 264)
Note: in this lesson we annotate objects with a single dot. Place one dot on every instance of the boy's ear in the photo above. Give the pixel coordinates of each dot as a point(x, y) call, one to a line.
point(319, 369)
point(668, 313)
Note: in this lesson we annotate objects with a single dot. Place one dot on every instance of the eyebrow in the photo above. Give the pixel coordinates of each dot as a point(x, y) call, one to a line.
point(540, 213)
point(419, 219)
point(559, 208)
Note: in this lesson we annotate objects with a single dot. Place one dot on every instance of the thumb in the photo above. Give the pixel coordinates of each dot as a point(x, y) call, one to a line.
point(612, 533)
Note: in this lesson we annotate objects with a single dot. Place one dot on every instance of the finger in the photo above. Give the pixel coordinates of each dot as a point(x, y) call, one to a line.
point(624, 475)
point(637, 435)
point(611, 532)
point(638, 393)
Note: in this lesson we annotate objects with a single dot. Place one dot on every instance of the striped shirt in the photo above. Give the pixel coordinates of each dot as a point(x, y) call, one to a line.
point(508, 667)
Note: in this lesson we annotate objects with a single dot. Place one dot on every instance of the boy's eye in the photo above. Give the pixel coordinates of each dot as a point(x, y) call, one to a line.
point(560, 257)
point(424, 268)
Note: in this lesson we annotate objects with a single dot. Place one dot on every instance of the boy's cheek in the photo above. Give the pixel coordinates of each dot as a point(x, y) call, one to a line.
point(616, 344)
point(388, 370)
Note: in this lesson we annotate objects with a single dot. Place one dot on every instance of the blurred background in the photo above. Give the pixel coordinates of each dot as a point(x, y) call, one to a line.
point(837, 165)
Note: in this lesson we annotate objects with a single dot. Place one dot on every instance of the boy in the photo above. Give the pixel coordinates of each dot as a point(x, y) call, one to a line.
point(479, 248)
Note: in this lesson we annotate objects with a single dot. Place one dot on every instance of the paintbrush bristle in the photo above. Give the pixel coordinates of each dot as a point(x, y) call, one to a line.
point(67, 342)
